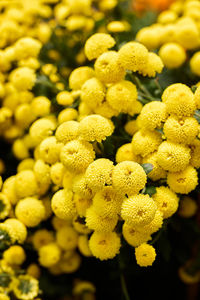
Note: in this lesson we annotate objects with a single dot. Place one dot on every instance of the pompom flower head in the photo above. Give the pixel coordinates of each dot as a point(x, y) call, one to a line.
point(62, 204)
point(145, 142)
point(145, 255)
point(79, 76)
point(93, 93)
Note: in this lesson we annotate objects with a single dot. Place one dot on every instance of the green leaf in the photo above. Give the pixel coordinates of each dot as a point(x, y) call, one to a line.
point(150, 190)
point(147, 168)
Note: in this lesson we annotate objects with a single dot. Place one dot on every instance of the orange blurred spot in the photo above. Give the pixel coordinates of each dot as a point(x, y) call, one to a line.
point(158, 5)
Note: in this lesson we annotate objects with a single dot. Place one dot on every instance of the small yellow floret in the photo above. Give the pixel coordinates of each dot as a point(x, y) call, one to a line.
point(188, 207)
point(25, 184)
point(15, 255)
point(125, 153)
point(195, 63)
point(67, 238)
point(154, 65)
point(49, 255)
point(63, 205)
point(173, 55)
point(93, 93)
point(133, 237)
point(41, 106)
point(41, 238)
point(64, 98)
point(145, 255)
point(79, 76)
point(158, 172)
point(145, 142)
point(41, 129)
point(23, 78)
point(17, 230)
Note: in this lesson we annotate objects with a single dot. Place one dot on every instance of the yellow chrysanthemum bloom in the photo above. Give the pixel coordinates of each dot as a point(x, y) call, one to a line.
point(154, 65)
point(173, 157)
point(133, 56)
point(67, 114)
point(81, 187)
point(57, 173)
point(179, 100)
point(145, 255)
point(49, 255)
point(49, 150)
point(188, 207)
point(158, 172)
point(151, 36)
point(41, 106)
point(27, 47)
point(125, 153)
point(152, 115)
point(93, 92)
point(131, 127)
point(82, 204)
point(128, 177)
point(186, 33)
point(4, 206)
point(118, 26)
point(4, 296)
point(79, 226)
point(34, 270)
point(195, 153)
point(105, 110)
point(15, 255)
point(99, 174)
point(181, 130)
point(67, 131)
point(23, 78)
point(173, 55)
point(95, 127)
point(63, 205)
point(122, 96)
point(25, 164)
point(97, 44)
point(104, 245)
point(42, 175)
point(183, 182)
point(41, 238)
point(67, 238)
point(197, 97)
point(145, 142)
point(17, 230)
point(98, 223)
point(19, 149)
point(25, 184)
point(166, 200)
point(134, 237)
point(64, 98)
point(154, 225)
point(83, 245)
point(41, 129)
point(108, 69)
point(70, 264)
point(31, 284)
point(77, 155)
point(167, 16)
point(58, 223)
point(79, 76)
point(138, 210)
point(195, 63)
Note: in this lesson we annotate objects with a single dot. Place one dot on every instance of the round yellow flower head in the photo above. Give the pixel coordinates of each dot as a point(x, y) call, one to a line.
point(27, 47)
point(23, 78)
point(99, 174)
point(95, 128)
point(25, 164)
point(188, 207)
point(183, 182)
point(93, 92)
point(173, 55)
point(34, 270)
point(125, 153)
point(186, 33)
point(122, 96)
point(118, 26)
point(145, 255)
point(77, 155)
point(181, 130)
point(67, 114)
point(195, 63)
point(197, 97)
point(166, 200)
point(167, 16)
point(138, 210)
point(19, 149)
point(70, 264)
point(4, 206)
point(41, 106)
point(79, 76)
point(154, 225)
point(30, 211)
point(131, 127)
point(107, 202)
point(173, 157)
point(145, 142)
point(82, 204)
point(49, 255)
point(98, 223)
point(63, 205)
point(133, 56)
point(154, 65)
point(104, 245)
point(49, 150)
point(195, 153)
point(41, 238)
point(179, 100)
point(31, 284)
point(81, 187)
point(83, 245)
point(17, 230)
point(67, 238)
point(152, 115)
point(57, 173)
point(15, 255)
point(134, 237)
point(67, 131)
point(41, 129)
point(105, 110)
point(108, 69)
point(129, 177)
point(79, 226)
point(25, 184)
point(42, 175)
point(4, 296)
point(97, 44)
point(24, 115)
point(64, 98)
point(158, 172)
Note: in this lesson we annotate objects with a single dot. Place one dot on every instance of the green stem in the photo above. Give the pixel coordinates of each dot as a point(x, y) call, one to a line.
point(124, 287)
point(142, 87)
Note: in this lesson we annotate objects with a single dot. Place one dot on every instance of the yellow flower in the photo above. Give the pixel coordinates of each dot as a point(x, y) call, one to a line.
point(150, 36)
point(67, 114)
point(49, 150)
point(181, 130)
point(98, 223)
point(4, 296)
point(70, 264)
point(134, 237)
point(129, 177)
point(40, 106)
point(183, 182)
point(197, 97)
point(82, 204)
point(25, 184)
point(195, 63)
point(17, 230)
point(25, 164)
point(63, 205)
point(57, 173)
point(93, 92)
point(4, 206)
point(41, 129)
point(173, 55)
point(80, 186)
point(154, 65)
point(166, 200)
point(179, 100)
point(25, 287)
point(99, 174)
point(104, 245)
point(186, 33)
point(42, 175)
point(154, 225)
point(131, 127)
point(64, 98)
point(152, 115)
point(145, 255)
point(125, 153)
point(41, 238)
point(158, 172)
point(23, 78)
point(188, 207)
point(67, 238)
point(83, 245)
point(49, 255)
point(79, 76)
point(97, 44)
point(15, 255)
point(105, 110)
point(67, 131)
point(77, 155)
point(108, 69)
point(173, 157)
point(19, 149)
point(33, 270)
point(138, 210)
point(195, 153)
point(122, 96)
point(133, 56)
point(145, 142)
point(30, 211)
point(27, 47)
point(58, 223)
point(79, 226)
point(167, 16)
